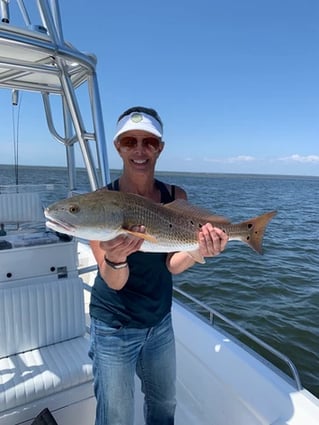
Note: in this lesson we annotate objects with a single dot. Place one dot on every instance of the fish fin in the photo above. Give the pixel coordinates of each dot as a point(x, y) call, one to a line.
point(145, 236)
point(183, 206)
point(196, 256)
point(257, 227)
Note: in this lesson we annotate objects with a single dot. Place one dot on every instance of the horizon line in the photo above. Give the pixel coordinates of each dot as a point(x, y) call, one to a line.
point(202, 173)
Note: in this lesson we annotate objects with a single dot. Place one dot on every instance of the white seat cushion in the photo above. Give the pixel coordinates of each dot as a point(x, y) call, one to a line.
point(28, 376)
point(20, 207)
point(38, 312)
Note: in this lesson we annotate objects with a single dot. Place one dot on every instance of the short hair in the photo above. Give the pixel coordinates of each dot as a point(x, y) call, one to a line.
point(149, 111)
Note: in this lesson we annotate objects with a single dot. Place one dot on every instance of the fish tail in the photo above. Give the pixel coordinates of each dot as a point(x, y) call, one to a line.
point(255, 229)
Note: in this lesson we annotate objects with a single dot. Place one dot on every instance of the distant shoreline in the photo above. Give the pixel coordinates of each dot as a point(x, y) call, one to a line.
point(172, 173)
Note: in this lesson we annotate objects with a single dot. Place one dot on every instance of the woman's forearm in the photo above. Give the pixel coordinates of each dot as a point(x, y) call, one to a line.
point(178, 262)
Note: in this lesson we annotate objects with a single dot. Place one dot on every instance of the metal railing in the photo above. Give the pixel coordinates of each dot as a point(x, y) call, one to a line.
point(213, 314)
point(36, 58)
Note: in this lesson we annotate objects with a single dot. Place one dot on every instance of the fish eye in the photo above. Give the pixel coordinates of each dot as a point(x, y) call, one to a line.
point(73, 209)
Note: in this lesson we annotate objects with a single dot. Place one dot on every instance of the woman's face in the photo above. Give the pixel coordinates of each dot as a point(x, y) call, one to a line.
point(139, 150)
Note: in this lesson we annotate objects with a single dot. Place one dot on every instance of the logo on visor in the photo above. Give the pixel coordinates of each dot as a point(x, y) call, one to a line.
point(136, 117)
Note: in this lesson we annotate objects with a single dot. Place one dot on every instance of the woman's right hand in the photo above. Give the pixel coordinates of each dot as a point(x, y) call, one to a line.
point(119, 248)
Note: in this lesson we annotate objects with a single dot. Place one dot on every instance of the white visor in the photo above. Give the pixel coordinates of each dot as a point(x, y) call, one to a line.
point(139, 121)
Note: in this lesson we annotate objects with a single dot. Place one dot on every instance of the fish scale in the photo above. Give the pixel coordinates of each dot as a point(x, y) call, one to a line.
point(103, 215)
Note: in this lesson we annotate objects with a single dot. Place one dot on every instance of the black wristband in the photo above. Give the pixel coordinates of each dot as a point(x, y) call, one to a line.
point(115, 266)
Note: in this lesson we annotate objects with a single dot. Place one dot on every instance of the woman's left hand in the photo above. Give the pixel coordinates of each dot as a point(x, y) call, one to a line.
point(212, 240)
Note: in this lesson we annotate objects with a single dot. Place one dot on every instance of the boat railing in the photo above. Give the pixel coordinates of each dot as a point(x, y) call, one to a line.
point(22, 15)
point(213, 315)
point(35, 57)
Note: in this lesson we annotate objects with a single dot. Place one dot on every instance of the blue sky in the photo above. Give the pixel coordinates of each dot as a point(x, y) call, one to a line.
point(236, 82)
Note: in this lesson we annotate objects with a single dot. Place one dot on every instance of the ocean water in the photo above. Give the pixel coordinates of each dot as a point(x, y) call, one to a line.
point(275, 296)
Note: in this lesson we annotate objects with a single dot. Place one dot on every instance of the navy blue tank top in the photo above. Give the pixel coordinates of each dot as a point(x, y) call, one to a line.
point(147, 296)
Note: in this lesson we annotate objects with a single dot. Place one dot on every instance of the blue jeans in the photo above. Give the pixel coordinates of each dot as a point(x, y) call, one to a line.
point(118, 353)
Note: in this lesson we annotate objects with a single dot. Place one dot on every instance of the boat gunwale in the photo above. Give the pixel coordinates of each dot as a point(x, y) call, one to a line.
point(294, 379)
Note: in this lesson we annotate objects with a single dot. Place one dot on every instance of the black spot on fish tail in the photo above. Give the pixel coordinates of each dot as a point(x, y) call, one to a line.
point(256, 228)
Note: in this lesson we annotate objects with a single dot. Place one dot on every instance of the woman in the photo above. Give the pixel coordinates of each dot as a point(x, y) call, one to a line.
point(131, 329)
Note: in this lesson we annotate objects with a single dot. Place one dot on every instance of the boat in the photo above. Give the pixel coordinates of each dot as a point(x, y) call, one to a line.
point(45, 278)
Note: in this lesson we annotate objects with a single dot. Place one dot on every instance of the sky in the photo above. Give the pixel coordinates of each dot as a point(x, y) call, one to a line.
point(236, 82)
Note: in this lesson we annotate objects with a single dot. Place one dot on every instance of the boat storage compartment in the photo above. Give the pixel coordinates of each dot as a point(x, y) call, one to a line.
point(43, 341)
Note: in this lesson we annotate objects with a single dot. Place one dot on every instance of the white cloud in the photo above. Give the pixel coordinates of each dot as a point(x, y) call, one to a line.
point(305, 159)
point(231, 160)
point(301, 158)
point(289, 165)
point(241, 158)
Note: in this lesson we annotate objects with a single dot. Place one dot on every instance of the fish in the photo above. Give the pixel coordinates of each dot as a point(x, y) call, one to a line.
point(104, 214)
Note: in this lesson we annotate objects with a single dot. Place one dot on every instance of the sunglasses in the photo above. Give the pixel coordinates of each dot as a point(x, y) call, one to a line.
point(150, 143)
